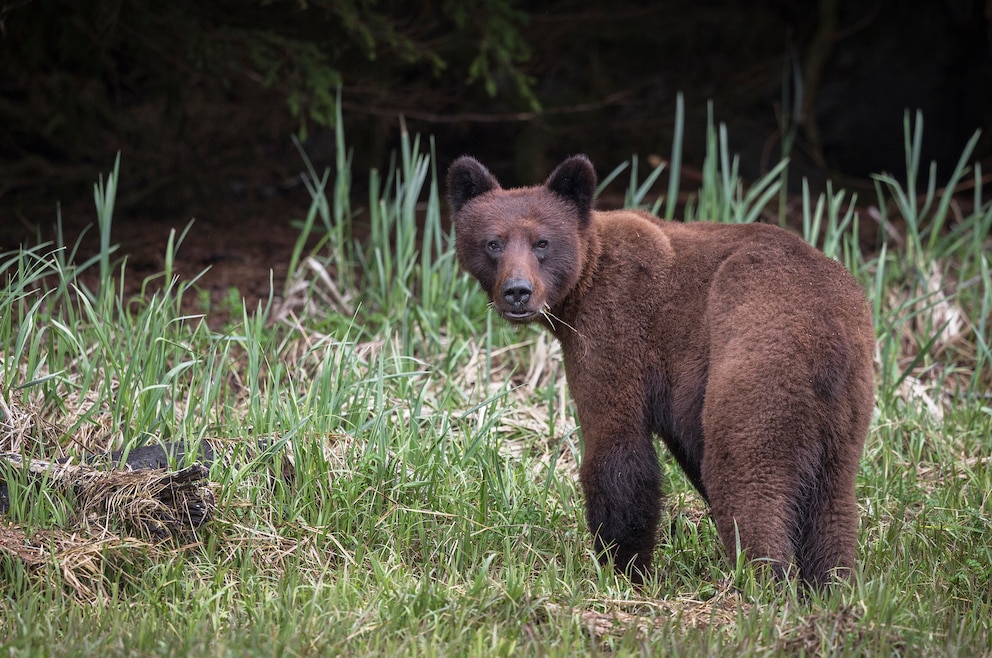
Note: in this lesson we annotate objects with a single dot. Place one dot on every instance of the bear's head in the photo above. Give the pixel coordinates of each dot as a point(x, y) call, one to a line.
point(526, 247)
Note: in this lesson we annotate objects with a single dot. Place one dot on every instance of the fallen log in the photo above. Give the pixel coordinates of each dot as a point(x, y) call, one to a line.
point(156, 503)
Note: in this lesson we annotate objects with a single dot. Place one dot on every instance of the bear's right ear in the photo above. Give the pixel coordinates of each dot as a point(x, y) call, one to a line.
point(467, 179)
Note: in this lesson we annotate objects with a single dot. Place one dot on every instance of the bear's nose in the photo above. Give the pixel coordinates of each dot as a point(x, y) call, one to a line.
point(517, 291)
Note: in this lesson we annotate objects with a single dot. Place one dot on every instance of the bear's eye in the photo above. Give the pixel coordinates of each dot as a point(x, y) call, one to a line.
point(541, 245)
point(494, 247)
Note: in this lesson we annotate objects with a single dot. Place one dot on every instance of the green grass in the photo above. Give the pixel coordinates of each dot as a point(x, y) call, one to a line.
point(417, 490)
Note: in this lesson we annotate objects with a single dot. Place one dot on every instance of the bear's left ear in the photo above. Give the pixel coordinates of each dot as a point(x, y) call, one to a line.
point(467, 179)
point(575, 180)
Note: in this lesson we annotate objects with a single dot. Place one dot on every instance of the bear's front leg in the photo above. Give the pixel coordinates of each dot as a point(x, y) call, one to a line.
point(621, 479)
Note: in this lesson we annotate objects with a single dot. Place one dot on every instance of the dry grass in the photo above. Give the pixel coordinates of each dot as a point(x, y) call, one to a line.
point(816, 633)
point(85, 562)
point(25, 429)
point(641, 617)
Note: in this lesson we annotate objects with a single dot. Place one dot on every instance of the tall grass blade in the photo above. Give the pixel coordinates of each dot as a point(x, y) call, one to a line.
point(675, 166)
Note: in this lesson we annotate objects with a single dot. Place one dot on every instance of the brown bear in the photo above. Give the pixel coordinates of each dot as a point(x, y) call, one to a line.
point(746, 350)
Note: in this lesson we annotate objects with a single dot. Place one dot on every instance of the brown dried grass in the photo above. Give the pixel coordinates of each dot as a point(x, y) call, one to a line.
point(931, 311)
point(644, 616)
point(82, 561)
point(25, 430)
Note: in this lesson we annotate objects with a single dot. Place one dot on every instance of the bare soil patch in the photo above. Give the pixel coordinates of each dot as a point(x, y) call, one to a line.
point(241, 245)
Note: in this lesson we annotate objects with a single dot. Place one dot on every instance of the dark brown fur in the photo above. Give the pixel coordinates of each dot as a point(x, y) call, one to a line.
point(748, 352)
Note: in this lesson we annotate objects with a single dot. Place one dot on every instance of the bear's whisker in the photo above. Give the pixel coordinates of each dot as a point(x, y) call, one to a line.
point(551, 317)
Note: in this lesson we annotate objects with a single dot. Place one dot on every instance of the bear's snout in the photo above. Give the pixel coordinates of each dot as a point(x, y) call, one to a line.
point(517, 293)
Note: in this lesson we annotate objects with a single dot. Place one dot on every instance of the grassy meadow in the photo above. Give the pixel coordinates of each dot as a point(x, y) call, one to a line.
point(396, 470)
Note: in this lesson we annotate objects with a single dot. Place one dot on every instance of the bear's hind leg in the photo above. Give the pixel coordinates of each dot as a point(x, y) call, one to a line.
point(753, 517)
point(828, 532)
point(764, 464)
point(622, 485)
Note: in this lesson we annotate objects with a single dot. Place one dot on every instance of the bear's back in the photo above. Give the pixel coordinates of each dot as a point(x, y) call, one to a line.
point(711, 262)
point(669, 293)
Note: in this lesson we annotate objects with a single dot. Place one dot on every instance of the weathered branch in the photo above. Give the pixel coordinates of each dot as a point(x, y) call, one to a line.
point(157, 503)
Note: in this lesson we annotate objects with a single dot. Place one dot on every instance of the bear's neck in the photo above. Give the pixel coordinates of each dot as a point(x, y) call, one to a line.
point(589, 264)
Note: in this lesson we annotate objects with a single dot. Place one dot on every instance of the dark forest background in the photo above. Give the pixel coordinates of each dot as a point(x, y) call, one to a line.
point(201, 98)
